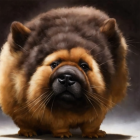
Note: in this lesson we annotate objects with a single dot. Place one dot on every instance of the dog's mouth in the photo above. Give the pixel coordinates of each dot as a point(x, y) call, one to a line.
point(67, 96)
point(67, 100)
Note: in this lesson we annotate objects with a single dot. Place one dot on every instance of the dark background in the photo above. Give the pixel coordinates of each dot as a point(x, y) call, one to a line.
point(127, 14)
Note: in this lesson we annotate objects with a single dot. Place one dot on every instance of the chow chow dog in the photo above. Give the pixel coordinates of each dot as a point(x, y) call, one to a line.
point(64, 69)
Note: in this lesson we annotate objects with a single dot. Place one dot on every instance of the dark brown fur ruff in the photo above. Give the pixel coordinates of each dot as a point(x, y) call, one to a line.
point(51, 33)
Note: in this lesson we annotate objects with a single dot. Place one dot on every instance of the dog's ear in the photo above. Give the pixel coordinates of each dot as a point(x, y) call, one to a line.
point(108, 27)
point(19, 34)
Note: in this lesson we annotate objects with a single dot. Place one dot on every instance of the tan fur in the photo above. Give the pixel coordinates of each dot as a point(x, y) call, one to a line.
point(119, 81)
point(6, 76)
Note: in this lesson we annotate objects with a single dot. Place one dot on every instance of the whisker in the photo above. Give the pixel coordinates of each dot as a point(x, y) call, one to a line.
point(41, 103)
point(105, 62)
point(89, 50)
point(95, 101)
point(107, 100)
point(45, 106)
point(38, 103)
point(93, 96)
point(99, 53)
point(30, 102)
point(32, 107)
point(47, 98)
point(100, 101)
point(44, 101)
point(92, 105)
point(20, 47)
point(37, 97)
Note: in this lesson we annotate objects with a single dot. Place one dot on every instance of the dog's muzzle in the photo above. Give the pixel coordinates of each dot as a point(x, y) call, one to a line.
point(68, 83)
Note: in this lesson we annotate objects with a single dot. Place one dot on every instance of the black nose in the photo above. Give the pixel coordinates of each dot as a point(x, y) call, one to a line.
point(66, 79)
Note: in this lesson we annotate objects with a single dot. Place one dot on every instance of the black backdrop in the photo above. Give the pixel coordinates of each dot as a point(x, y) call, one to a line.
point(127, 14)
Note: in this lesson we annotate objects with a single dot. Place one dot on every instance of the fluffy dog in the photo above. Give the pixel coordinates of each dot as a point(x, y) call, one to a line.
point(64, 69)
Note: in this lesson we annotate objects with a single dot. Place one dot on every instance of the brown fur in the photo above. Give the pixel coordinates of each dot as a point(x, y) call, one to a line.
point(19, 89)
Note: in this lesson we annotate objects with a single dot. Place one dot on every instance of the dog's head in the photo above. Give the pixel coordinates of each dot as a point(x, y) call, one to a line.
point(65, 59)
point(70, 78)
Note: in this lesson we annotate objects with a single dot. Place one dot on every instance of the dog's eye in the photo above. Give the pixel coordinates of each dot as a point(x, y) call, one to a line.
point(55, 64)
point(84, 66)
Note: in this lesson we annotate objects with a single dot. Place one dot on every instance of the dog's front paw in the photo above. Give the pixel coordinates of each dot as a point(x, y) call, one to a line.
point(27, 133)
point(62, 134)
point(97, 134)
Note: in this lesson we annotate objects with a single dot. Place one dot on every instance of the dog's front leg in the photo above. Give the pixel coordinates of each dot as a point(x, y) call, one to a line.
point(91, 128)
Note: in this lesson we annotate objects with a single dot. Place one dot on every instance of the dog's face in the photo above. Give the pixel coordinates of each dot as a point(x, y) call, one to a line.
point(66, 77)
point(60, 68)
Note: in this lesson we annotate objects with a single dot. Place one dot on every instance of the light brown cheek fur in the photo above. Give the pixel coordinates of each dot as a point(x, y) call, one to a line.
point(120, 80)
point(39, 90)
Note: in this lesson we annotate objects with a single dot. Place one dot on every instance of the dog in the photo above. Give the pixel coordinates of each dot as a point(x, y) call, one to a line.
point(65, 68)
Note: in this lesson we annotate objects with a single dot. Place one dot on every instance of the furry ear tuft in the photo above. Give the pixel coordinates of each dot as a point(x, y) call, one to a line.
point(20, 33)
point(109, 27)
